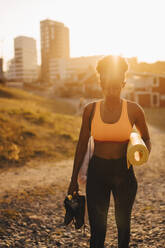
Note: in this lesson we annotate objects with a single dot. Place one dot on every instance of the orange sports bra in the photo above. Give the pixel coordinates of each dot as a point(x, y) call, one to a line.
point(117, 132)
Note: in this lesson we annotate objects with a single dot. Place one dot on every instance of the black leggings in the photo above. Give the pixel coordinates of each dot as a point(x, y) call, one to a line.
point(103, 176)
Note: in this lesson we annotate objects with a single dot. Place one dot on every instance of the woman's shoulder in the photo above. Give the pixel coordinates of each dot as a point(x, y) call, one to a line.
point(90, 107)
point(134, 107)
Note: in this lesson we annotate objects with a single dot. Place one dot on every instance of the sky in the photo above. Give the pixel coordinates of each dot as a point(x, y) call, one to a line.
point(97, 27)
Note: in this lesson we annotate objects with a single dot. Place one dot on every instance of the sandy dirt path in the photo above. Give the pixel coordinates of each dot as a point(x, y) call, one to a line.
point(34, 175)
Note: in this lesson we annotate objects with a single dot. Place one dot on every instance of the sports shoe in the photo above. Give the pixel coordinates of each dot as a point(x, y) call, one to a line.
point(75, 210)
point(80, 212)
point(70, 206)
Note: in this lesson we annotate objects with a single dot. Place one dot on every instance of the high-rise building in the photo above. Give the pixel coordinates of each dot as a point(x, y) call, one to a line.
point(25, 59)
point(54, 47)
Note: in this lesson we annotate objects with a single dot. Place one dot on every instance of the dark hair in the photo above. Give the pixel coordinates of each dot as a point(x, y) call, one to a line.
point(112, 64)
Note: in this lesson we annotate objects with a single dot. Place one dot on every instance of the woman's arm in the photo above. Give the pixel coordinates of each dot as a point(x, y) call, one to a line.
point(80, 148)
point(141, 125)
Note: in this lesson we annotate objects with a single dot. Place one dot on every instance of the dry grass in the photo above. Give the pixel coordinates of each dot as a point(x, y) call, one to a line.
point(32, 128)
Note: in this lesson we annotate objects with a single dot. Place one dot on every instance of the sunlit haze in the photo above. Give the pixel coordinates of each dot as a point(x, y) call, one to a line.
point(129, 27)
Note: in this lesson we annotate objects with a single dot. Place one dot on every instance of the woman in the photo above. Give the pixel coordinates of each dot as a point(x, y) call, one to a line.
point(111, 125)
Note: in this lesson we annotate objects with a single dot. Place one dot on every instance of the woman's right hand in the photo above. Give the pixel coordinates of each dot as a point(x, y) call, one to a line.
point(73, 187)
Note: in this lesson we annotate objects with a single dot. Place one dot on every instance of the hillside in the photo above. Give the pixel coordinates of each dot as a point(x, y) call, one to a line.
point(33, 128)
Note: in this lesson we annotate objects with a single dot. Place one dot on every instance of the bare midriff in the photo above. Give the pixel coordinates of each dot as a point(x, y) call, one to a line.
point(110, 149)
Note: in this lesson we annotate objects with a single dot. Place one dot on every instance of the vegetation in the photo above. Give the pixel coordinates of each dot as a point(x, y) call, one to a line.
point(32, 128)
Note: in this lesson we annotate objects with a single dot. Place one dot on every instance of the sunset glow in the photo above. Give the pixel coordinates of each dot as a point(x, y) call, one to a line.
point(129, 28)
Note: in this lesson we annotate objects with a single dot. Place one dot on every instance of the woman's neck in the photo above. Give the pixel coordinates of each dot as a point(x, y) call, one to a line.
point(112, 102)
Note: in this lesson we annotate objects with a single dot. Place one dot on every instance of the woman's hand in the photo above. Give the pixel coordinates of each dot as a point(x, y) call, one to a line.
point(73, 187)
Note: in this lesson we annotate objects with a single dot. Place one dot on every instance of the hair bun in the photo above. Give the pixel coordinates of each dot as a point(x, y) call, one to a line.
point(112, 64)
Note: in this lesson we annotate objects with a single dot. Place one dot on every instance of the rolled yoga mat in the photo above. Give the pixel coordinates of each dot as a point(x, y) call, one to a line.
point(137, 152)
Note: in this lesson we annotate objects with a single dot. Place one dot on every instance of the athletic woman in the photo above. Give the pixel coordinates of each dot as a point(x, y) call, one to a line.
point(111, 124)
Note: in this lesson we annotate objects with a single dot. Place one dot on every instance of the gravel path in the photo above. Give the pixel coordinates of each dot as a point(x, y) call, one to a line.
point(32, 212)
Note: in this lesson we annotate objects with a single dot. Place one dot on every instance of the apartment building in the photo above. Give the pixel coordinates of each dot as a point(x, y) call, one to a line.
point(25, 59)
point(54, 48)
point(23, 67)
point(148, 89)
